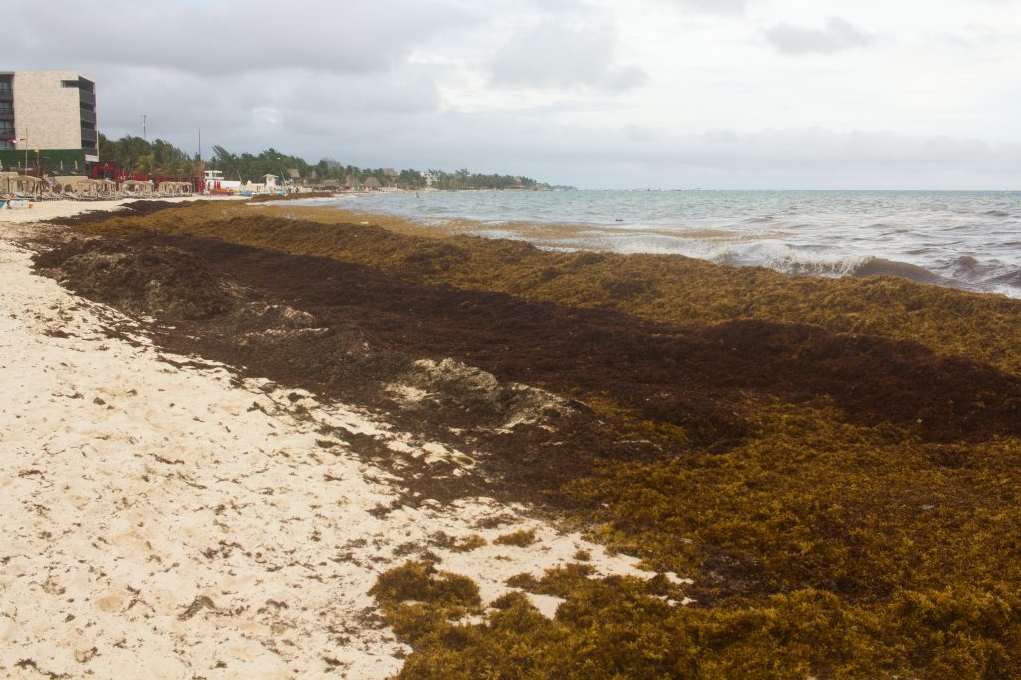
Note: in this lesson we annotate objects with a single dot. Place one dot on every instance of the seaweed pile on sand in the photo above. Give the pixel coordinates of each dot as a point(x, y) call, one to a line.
point(834, 463)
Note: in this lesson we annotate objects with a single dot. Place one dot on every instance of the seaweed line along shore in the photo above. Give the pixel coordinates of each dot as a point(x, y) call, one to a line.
point(272, 440)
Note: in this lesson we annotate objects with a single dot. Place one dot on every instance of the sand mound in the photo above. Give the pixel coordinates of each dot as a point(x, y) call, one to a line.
point(453, 384)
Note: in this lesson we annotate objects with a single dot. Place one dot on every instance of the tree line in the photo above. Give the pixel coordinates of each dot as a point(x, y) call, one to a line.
point(162, 158)
point(139, 156)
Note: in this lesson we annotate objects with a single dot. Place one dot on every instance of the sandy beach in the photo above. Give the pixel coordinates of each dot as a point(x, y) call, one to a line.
point(248, 440)
point(164, 518)
point(46, 210)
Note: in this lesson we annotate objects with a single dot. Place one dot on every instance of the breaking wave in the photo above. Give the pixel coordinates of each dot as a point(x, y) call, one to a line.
point(966, 272)
point(856, 265)
point(967, 240)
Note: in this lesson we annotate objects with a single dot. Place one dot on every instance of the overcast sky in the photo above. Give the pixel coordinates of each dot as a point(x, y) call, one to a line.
point(598, 94)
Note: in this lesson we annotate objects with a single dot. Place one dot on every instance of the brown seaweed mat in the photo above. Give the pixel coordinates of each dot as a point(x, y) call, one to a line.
point(847, 504)
point(692, 377)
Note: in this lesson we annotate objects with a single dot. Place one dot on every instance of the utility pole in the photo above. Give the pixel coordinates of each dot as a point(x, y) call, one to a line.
point(200, 179)
point(144, 138)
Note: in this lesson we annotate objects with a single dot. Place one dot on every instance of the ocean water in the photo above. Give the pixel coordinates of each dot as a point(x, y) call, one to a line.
point(969, 240)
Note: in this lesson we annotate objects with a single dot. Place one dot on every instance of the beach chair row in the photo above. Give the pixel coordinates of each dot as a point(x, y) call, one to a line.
point(15, 186)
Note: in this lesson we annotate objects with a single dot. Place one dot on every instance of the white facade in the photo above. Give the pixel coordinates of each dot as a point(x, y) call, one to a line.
point(216, 183)
point(269, 186)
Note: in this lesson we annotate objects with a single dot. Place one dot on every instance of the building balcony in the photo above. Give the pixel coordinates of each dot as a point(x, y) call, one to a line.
point(86, 97)
point(88, 116)
point(89, 136)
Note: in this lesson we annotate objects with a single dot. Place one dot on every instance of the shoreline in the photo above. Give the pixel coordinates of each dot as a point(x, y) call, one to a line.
point(173, 514)
point(43, 211)
point(825, 462)
point(775, 238)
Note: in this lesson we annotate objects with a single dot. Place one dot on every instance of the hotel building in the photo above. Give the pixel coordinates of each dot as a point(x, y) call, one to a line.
point(51, 115)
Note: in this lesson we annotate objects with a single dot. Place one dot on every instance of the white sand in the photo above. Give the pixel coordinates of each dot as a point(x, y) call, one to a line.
point(48, 210)
point(162, 522)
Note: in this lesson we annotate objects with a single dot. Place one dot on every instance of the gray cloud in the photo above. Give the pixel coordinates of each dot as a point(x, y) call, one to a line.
point(563, 54)
point(399, 121)
point(637, 156)
point(360, 83)
point(299, 107)
point(837, 35)
point(225, 38)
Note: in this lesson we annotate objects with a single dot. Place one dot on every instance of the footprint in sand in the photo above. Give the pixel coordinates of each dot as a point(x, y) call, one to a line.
point(113, 602)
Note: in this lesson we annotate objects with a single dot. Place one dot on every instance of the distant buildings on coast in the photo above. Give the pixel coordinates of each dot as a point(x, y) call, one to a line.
point(49, 129)
point(48, 118)
point(213, 182)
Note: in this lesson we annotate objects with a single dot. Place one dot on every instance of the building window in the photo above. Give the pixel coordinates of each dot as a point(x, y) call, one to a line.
point(6, 129)
point(6, 107)
point(69, 83)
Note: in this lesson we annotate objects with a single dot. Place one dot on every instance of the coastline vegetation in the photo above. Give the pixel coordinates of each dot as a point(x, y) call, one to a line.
point(140, 156)
point(821, 544)
point(160, 157)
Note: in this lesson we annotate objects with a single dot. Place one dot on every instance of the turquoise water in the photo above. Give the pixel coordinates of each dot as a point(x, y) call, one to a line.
point(970, 240)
